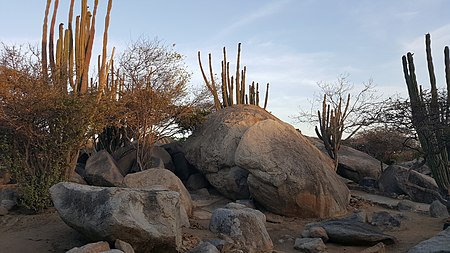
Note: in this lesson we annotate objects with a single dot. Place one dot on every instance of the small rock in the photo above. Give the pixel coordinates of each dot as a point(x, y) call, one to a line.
point(368, 182)
point(8, 204)
point(360, 216)
point(196, 181)
point(123, 246)
point(112, 251)
point(378, 248)
point(318, 232)
point(406, 205)
point(385, 220)
point(204, 247)
point(438, 210)
point(310, 245)
point(91, 248)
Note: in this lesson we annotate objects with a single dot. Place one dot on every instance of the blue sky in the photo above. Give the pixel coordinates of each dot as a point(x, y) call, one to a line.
point(292, 44)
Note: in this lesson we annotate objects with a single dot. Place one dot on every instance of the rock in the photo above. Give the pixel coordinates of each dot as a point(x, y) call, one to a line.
point(231, 182)
point(348, 232)
point(8, 204)
point(353, 164)
point(123, 246)
point(385, 220)
point(212, 147)
point(95, 247)
point(112, 251)
point(406, 205)
point(147, 219)
point(151, 177)
point(242, 224)
point(126, 159)
point(183, 169)
point(197, 181)
point(5, 177)
point(310, 245)
point(438, 210)
point(77, 178)
point(204, 247)
point(9, 192)
point(418, 165)
point(161, 153)
point(315, 232)
point(400, 180)
point(288, 175)
point(378, 248)
point(368, 182)
point(437, 244)
point(102, 170)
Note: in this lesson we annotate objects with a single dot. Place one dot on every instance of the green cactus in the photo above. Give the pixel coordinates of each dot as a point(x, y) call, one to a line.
point(431, 120)
point(231, 85)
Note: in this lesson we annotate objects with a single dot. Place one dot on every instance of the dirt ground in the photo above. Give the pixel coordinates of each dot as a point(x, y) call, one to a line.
point(46, 232)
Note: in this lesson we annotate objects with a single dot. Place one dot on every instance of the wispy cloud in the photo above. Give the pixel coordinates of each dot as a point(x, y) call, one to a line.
point(266, 10)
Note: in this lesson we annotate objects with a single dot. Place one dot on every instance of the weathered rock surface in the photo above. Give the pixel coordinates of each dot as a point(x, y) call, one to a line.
point(95, 247)
point(438, 210)
point(204, 247)
point(351, 232)
point(310, 245)
point(212, 147)
point(242, 224)
point(245, 151)
point(385, 220)
point(400, 180)
point(288, 175)
point(102, 170)
point(148, 220)
point(353, 164)
point(123, 246)
point(151, 177)
point(437, 244)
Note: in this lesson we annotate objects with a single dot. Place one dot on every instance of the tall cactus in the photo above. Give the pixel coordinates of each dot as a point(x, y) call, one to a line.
point(230, 85)
point(331, 127)
point(431, 120)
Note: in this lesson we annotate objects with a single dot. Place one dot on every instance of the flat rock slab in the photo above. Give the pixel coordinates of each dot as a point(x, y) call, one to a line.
point(351, 232)
point(437, 244)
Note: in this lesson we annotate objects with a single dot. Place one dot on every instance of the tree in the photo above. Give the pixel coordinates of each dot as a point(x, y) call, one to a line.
point(363, 110)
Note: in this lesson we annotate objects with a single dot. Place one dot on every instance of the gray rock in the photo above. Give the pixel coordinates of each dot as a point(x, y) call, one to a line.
point(8, 204)
point(318, 232)
point(350, 232)
point(112, 251)
point(125, 158)
point(378, 248)
point(310, 245)
point(231, 182)
point(406, 205)
point(91, 248)
point(102, 170)
point(437, 244)
point(353, 164)
point(151, 177)
point(438, 210)
point(196, 181)
point(385, 220)
point(123, 246)
point(242, 224)
point(400, 180)
point(288, 175)
point(204, 247)
point(147, 219)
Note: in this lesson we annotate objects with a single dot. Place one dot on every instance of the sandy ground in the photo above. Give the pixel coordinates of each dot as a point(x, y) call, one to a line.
point(46, 232)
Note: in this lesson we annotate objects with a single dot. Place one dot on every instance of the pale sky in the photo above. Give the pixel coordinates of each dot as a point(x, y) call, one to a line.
point(292, 44)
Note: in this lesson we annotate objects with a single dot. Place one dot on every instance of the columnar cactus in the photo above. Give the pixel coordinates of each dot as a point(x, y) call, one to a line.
point(230, 85)
point(431, 120)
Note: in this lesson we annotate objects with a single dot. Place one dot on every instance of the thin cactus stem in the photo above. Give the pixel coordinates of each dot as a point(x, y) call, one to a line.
point(51, 35)
point(44, 41)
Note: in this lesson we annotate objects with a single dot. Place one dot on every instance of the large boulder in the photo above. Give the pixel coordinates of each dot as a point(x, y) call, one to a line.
point(288, 175)
point(284, 172)
point(151, 177)
point(353, 164)
point(399, 180)
point(148, 219)
point(437, 244)
point(242, 224)
point(102, 170)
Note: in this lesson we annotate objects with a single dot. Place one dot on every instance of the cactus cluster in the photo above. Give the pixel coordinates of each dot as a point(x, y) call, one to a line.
point(331, 127)
point(233, 88)
point(431, 119)
point(69, 65)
